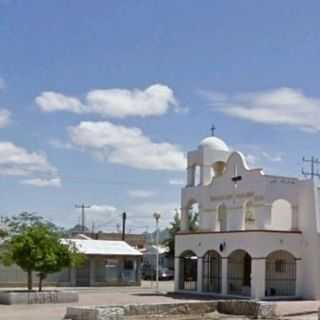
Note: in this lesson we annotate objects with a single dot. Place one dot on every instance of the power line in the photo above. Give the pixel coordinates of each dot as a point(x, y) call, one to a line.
point(314, 171)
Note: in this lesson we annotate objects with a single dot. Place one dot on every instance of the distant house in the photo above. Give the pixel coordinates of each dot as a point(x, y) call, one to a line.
point(108, 263)
point(134, 240)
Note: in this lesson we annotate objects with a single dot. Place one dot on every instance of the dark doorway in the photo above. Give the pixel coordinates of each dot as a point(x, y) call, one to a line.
point(247, 270)
point(188, 262)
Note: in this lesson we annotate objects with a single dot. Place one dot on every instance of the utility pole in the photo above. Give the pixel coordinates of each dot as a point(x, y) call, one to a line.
point(314, 171)
point(83, 214)
point(156, 215)
point(124, 218)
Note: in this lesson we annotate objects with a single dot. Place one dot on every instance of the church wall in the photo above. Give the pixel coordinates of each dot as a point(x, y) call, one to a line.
point(263, 192)
point(257, 244)
point(309, 215)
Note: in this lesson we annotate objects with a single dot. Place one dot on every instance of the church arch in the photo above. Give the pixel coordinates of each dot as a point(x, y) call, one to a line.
point(188, 271)
point(281, 215)
point(218, 168)
point(222, 217)
point(239, 273)
point(211, 275)
point(249, 215)
point(280, 274)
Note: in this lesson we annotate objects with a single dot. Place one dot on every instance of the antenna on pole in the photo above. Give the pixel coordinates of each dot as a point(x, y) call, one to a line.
point(314, 163)
point(83, 215)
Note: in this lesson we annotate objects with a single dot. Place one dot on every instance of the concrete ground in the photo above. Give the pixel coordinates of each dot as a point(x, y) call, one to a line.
point(90, 296)
point(121, 295)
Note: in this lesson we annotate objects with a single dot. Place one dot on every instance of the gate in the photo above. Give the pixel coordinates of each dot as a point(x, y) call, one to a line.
point(280, 274)
point(212, 272)
point(188, 263)
point(239, 273)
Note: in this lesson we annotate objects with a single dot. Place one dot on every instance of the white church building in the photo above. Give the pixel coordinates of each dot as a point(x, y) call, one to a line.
point(258, 235)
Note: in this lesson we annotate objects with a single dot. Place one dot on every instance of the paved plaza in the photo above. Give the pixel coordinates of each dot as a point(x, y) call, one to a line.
point(118, 295)
point(90, 296)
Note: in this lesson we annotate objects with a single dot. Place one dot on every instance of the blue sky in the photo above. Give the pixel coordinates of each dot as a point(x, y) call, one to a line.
point(100, 101)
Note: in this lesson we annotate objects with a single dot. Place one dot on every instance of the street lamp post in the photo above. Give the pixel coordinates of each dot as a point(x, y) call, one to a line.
point(156, 215)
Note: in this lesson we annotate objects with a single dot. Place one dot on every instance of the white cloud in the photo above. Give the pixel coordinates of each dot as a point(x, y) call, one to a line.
point(126, 146)
point(155, 100)
point(177, 182)
point(277, 157)
point(50, 101)
point(42, 182)
point(61, 145)
point(256, 156)
point(102, 215)
point(4, 117)
point(141, 215)
point(17, 161)
point(278, 106)
point(102, 208)
point(139, 193)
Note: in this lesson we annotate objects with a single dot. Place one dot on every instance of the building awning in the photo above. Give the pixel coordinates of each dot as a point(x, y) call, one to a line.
point(103, 247)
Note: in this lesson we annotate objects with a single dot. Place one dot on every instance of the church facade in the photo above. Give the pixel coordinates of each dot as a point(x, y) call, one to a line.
point(257, 234)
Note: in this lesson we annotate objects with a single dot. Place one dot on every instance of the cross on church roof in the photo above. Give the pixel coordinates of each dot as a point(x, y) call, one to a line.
point(213, 128)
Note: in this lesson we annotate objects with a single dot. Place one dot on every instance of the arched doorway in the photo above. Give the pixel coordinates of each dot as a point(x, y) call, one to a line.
point(280, 274)
point(239, 273)
point(249, 216)
point(188, 271)
point(212, 272)
point(281, 215)
point(222, 223)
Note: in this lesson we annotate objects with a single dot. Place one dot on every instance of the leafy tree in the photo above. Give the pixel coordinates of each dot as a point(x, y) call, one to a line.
point(175, 227)
point(20, 222)
point(39, 248)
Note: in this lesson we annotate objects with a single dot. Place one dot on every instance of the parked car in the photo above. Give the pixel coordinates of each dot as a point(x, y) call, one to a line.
point(166, 274)
point(149, 273)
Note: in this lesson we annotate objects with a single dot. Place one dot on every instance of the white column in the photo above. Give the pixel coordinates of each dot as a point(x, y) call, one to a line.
point(299, 278)
point(224, 276)
point(258, 276)
point(199, 274)
point(176, 273)
point(92, 280)
point(184, 219)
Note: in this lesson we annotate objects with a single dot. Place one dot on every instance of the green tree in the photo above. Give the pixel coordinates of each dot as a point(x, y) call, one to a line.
point(175, 226)
point(20, 222)
point(39, 249)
